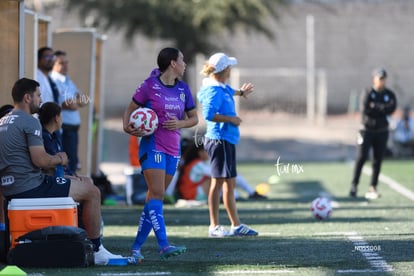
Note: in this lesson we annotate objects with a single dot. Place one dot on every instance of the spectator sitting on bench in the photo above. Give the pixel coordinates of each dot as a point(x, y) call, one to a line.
point(22, 155)
point(403, 134)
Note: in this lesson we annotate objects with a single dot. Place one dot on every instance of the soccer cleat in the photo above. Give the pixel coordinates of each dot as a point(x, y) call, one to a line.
point(218, 232)
point(102, 256)
point(136, 257)
point(372, 195)
point(257, 196)
point(242, 230)
point(171, 250)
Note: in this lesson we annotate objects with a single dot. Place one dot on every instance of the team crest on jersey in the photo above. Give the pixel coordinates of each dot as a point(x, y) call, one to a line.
point(60, 180)
point(182, 96)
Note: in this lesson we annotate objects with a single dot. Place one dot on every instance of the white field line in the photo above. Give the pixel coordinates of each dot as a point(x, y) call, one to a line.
point(134, 273)
point(230, 272)
point(370, 253)
point(251, 272)
point(392, 184)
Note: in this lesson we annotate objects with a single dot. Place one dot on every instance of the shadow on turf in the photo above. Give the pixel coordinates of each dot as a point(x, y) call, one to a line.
point(205, 256)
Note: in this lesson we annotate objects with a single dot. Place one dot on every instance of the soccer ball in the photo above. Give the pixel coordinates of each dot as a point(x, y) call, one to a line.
point(321, 208)
point(145, 118)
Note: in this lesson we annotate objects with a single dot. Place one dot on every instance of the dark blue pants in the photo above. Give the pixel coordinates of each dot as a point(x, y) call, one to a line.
point(70, 140)
point(377, 140)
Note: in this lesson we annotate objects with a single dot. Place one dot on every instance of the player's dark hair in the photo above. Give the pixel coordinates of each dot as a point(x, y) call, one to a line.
point(22, 87)
point(5, 109)
point(41, 51)
point(165, 57)
point(60, 53)
point(48, 111)
point(191, 153)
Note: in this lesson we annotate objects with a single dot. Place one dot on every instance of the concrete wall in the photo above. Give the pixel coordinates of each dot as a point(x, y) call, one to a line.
point(351, 38)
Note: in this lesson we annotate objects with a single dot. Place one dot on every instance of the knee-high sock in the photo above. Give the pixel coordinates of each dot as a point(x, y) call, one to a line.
point(157, 219)
point(144, 228)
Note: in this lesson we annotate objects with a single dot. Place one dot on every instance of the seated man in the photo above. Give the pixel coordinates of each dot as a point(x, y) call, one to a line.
point(22, 156)
point(403, 134)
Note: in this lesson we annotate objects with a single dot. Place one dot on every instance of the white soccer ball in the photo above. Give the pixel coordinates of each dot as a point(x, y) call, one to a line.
point(321, 208)
point(145, 118)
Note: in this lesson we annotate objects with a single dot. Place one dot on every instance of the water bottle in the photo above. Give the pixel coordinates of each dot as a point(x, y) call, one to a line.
point(60, 171)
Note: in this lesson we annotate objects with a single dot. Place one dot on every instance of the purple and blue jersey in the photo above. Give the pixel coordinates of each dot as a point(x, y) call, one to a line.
point(168, 102)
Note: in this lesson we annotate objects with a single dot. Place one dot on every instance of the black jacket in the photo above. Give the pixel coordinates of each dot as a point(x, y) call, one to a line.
point(376, 107)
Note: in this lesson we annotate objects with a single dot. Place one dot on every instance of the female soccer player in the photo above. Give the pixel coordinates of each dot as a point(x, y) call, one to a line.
point(159, 153)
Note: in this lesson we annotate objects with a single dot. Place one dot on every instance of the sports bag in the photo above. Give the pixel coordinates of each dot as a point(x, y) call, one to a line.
point(53, 246)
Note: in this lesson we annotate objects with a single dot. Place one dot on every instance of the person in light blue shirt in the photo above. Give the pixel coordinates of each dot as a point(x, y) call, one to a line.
point(71, 100)
point(222, 135)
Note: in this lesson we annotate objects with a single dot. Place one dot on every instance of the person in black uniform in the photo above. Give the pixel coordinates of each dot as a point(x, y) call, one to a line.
point(377, 103)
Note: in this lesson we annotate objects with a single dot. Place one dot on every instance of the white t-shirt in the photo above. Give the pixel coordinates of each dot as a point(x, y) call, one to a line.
point(46, 93)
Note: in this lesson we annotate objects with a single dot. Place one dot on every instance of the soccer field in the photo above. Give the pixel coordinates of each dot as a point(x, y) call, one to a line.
point(361, 237)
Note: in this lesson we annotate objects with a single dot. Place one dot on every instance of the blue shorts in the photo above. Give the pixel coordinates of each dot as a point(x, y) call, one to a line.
point(222, 158)
point(159, 160)
point(51, 186)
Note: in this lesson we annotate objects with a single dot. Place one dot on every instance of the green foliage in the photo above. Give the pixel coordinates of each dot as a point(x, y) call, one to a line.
point(192, 25)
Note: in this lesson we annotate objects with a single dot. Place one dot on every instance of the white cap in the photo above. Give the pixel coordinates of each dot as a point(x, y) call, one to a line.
point(221, 61)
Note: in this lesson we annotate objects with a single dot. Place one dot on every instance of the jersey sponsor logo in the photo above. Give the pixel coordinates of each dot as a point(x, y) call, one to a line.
point(7, 180)
point(61, 180)
point(171, 99)
point(158, 157)
point(156, 86)
point(172, 107)
point(38, 132)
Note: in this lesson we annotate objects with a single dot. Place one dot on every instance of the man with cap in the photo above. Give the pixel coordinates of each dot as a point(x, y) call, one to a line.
point(377, 103)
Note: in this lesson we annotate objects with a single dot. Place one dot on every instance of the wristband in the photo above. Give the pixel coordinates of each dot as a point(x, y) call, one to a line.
point(241, 92)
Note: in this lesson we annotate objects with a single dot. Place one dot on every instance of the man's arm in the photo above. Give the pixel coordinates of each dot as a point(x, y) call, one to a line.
point(42, 159)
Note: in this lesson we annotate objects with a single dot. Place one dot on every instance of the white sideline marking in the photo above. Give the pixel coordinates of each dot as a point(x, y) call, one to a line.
point(392, 184)
point(251, 272)
point(133, 273)
point(376, 262)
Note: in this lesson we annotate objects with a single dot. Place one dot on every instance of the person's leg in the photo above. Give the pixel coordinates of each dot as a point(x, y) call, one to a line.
point(378, 146)
point(155, 179)
point(364, 145)
point(214, 201)
point(230, 202)
point(84, 191)
point(144, 228)
point(205, 188)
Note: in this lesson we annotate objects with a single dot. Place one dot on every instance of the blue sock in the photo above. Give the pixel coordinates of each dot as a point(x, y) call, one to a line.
point(157, 219)
point(144, 228)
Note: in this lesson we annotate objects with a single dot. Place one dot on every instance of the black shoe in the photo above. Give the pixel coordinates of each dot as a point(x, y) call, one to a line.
point(353, 192)
point(257, 196)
